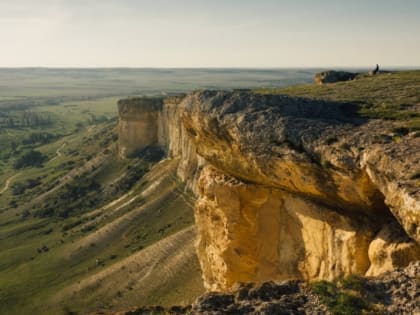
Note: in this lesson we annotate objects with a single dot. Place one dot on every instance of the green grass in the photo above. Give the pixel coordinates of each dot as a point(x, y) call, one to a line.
point(394, 96)
point(341, 301)
point(350, 296)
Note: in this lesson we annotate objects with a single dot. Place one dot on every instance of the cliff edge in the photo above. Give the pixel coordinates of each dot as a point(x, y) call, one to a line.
point(296, 187)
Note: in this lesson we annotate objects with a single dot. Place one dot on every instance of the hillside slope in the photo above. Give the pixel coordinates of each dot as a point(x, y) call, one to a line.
point(101, 222)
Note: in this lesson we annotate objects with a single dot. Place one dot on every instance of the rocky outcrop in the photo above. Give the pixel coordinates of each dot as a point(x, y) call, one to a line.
point(288, 297)
point(333, 76)
point(249, 232)
point(298, 189)
point(394, 292)
point(137, 125)
point(288, 188)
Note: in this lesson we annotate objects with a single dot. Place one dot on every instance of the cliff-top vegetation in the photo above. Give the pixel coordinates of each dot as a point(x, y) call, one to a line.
point(391, 96)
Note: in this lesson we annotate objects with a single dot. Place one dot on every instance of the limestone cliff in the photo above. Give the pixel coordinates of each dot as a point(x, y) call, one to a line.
point(156, 122)
point(299, 189)
point(138, 124)
point(289, 188)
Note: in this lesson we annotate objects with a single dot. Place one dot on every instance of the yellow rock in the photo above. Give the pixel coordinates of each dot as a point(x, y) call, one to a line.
point(251, 233)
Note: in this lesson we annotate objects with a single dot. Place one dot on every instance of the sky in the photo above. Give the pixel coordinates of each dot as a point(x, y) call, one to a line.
point(209, 33)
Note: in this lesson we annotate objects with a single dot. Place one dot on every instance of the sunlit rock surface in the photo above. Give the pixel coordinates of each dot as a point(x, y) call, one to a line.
point(299, 189)
point(288, 188)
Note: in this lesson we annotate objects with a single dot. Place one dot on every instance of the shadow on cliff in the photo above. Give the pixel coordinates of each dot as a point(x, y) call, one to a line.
point(332, 112)
point(151, 153)
point(224, 103)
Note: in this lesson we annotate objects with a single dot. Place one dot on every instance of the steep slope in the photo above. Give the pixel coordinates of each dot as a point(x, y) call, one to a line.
point(136, 223)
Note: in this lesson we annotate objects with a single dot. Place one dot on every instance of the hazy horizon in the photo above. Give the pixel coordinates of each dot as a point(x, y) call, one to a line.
point(245, 34)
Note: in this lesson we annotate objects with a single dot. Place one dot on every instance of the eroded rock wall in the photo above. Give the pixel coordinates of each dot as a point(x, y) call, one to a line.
point(157, 122)
point(138, 125)
point(252, 233)
point(288, 188)
point(293, 192)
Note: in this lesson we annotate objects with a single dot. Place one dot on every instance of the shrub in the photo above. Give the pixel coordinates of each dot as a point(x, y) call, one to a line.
point(352, 282)
point(71, 224)
point(30, 158)
point(331, 140)
point(21, 187)
point(340, 302)
point(347, 304)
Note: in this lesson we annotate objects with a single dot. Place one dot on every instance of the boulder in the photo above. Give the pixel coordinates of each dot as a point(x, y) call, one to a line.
point(334, 76)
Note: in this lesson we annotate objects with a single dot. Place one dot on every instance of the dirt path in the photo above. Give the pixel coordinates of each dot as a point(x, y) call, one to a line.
point(8, 182)
point(58, 152)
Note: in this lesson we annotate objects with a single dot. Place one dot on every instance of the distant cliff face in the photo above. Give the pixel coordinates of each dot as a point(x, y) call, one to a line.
point(289, 188)
point(156, 122)
point(138, 124)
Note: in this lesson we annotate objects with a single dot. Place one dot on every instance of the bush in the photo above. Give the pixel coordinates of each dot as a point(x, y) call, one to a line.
point(20, 188)
point(39, 138)
point(70, 225)
point(340, 302)
point(352, 282)
point(75, 197)
point(30, 158)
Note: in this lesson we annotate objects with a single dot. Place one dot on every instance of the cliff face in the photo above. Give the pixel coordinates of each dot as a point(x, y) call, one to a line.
point(299, 189)
point(291, 188)
point(156, 122)
point(255, 233)
point(138, 125)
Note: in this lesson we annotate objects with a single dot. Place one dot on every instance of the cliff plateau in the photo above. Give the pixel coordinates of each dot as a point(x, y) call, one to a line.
point(288, 187)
